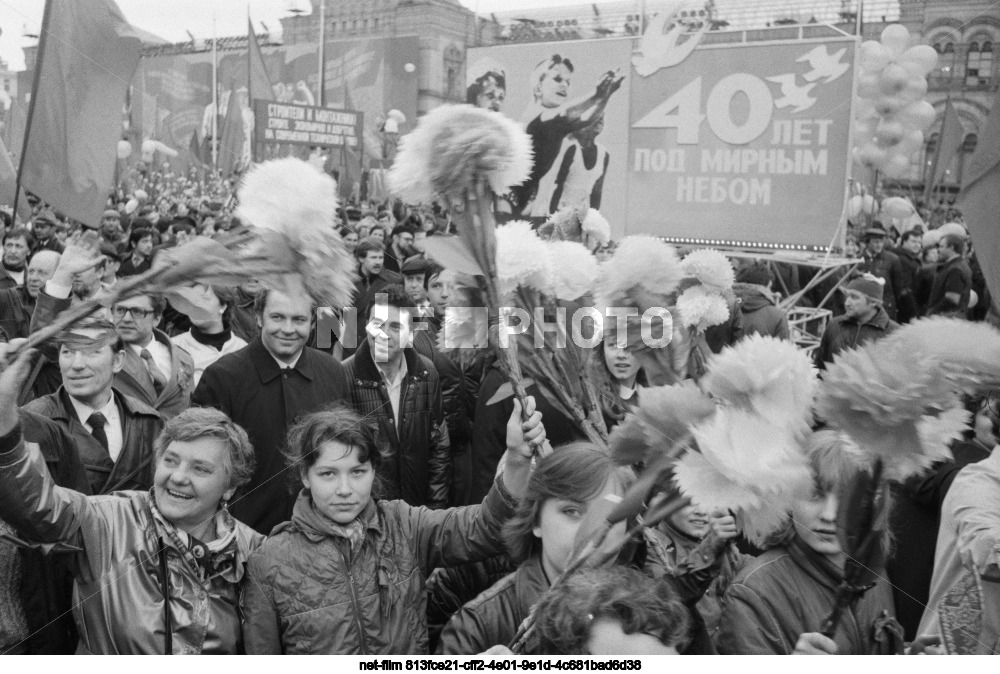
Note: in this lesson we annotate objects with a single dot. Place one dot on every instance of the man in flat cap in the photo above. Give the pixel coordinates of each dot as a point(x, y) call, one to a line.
point(113, 433)
point(885, 265)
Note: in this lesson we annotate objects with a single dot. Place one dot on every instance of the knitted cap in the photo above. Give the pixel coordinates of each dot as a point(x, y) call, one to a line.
point(868, 285)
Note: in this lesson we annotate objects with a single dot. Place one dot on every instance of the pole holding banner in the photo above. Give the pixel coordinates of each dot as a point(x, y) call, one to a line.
point(320, 55)
point(46, 17)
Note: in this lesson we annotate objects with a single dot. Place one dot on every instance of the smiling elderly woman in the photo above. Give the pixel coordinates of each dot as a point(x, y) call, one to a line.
point(155, 572)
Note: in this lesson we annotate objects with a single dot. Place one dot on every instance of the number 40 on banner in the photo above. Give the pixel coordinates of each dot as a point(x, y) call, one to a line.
point(682, 111)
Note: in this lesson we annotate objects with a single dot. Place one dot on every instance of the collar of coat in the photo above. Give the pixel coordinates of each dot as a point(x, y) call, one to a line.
point(129, 405)
point(315, 526)
point(267, 367)
point(816, 565)
point(365, 371)
point(880, 320)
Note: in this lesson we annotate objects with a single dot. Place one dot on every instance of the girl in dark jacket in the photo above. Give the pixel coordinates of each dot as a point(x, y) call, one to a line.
point(347, 574)
point(540, 540)
point(617, 377)
point(778, 601)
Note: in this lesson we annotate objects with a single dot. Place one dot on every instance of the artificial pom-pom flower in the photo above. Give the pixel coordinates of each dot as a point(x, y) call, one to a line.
point(522, 259)
point(967, 353)
point(710, 268)
point(453, 144)
point(744, 463)
point(596, 230)
point(701, 308)
point(768, 376)
point(294, 204)
point(879, 394)
point(644, 272)
point(936, 435)
point(660, 424)
point(574, 269)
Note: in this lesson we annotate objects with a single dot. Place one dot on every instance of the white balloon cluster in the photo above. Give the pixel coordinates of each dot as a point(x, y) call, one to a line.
point(892, 114)
point(897, 208)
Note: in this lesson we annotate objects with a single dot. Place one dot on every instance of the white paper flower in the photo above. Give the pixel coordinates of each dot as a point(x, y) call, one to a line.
point(711, 268)
point(451, 145)
point(522, 259)
point(701, 308)
point(574, 269)
point(743, 463)
point(643, 270)
point(596, 230)
point(769, 376)
point(296, 203)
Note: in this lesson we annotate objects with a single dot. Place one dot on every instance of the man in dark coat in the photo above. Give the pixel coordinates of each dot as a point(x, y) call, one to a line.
point(18, 304)
point(372, 278)
point(885, 265)
point(398, 387)
point(44, 229)
point(864, 320)
point(953, 279)
point(264, 388)
point(761, 315)
point(910, 248)
point(113, 433)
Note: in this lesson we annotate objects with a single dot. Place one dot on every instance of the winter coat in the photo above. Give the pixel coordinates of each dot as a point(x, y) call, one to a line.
point(46, 585)
point(133, 469)
point(490, 439)
point(953, 276)
point(418, 469)
point(310, 593)
point(16, 307)
point(761, 314)
point(791, 590)
point(134, 379)
point(496, 614)
point(731, 331)
point(265, 400)
point(117, 538)
point(911, 267)
point(845, 332)
point(886, 265)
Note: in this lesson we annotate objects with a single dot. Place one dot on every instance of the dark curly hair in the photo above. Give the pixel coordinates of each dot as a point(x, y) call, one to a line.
point(335, 423)
point(638, 603)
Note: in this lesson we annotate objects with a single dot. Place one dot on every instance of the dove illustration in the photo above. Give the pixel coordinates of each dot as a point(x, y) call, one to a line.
point(661, 50)
point(797, 97)
point(824, 64)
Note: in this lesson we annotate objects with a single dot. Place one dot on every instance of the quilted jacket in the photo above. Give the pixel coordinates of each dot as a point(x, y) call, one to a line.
point(791, 590)
point(418, 469)
point(309, 592)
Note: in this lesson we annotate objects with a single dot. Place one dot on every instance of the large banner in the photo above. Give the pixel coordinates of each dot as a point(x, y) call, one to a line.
point(307, 125)
point(172, 94)
point(729, 143)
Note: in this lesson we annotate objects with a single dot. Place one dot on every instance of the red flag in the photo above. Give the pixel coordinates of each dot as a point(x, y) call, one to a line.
point(948, 143)
point(259, 85)
point(232, 137)
point(86, 58)
point(978, 200)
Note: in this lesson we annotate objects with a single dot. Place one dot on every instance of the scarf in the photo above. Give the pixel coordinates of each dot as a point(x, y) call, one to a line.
point(213, 558)
point(216, 341)
point(306, 515)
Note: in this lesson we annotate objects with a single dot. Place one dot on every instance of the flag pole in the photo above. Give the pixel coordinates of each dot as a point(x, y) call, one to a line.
point(215, 96)
point(253, 131)
point(320, 54)
point(46, 16)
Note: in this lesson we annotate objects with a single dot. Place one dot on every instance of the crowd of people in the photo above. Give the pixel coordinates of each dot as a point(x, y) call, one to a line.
point(193, 474)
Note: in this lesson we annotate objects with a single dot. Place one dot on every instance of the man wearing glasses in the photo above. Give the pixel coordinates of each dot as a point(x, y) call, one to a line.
point(155, 371)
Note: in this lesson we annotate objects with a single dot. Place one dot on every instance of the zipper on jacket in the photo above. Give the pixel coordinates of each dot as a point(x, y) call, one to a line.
point(354, 601)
